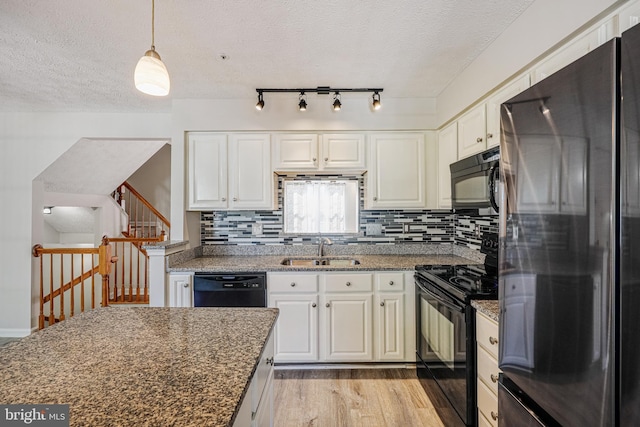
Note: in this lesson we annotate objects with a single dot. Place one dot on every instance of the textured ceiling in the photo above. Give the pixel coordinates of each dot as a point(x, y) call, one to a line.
point(74, 55)
point(71, 219)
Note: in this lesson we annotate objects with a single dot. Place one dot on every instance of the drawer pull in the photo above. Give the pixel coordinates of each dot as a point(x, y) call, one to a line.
point(293, 284)
point(390, 282)
point(494, 378)
point(348, 283)
point(382, 304)
point(314, 305)
point(493, 340)
point(185, 285)
point(494, 416)
point(327, 305)
point(269, 360)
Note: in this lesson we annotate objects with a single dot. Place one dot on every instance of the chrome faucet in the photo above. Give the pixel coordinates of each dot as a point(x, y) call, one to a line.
point(321, 242)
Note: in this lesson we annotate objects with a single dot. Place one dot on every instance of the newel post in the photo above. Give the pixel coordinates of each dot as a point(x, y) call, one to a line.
point(104, 268)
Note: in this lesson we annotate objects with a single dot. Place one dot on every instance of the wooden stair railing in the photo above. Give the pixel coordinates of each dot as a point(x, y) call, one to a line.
point(145, 221)
point(99, 261)
point(129, 283)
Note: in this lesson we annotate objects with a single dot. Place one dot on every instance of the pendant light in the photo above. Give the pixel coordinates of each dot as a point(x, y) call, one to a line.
point(151, 76)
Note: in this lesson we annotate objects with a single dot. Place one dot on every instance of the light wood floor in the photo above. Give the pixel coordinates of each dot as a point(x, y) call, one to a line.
point(351, 397)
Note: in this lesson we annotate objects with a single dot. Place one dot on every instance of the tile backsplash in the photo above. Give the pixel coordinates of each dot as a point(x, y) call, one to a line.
point(376, 226)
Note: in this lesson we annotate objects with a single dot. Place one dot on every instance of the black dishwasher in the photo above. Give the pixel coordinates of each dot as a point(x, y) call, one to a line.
point(230, 290)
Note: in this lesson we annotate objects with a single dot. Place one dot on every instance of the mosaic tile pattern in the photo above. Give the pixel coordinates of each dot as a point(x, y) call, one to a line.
point(393, 226)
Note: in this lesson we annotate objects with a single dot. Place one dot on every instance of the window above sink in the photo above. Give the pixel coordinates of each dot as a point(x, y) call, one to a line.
point(321, 206)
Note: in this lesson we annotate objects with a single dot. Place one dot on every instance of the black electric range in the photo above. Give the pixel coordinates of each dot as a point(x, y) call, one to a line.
point(445, 330)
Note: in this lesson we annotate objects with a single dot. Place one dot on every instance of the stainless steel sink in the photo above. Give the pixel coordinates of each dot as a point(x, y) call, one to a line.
point(310, 262)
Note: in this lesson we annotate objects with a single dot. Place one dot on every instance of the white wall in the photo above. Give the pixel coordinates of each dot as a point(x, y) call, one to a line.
point(153, 180)
point(29, 142)
point(544, 24)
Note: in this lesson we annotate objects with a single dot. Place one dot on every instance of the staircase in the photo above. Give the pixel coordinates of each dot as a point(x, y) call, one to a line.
point(74, 280)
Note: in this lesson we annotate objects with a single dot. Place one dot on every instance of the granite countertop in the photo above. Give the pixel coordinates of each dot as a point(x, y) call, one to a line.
point(491, 308)
point(139, 366)
point(239, 263)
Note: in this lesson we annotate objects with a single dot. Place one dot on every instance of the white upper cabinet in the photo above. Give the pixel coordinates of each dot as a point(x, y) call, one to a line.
point(250, 171)
point(395, 178)
point(229, 171)
point(576, 48)
point(332, 151)
point(342, 151)
point(295, 151)
point(207, 174)
point(447, 154)
point(471, 132)
point(493, 107)
point(629, 16)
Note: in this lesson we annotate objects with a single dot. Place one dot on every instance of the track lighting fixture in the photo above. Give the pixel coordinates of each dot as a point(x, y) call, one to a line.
point(302, 105)
point(376, 101)
point(321, 90)
point(151, 76)
point(260, 104)
point(337, 105)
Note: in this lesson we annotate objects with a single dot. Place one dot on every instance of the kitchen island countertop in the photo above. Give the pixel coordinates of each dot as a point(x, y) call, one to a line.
point(139, 365)
point(491, 308)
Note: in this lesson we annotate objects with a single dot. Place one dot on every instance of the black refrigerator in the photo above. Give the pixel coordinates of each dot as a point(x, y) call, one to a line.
point(569, 259)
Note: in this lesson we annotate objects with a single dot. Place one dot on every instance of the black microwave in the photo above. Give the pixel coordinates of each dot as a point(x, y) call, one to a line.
point(475, 183)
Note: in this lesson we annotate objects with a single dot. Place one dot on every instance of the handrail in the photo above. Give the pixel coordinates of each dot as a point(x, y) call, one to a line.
point(137, 216)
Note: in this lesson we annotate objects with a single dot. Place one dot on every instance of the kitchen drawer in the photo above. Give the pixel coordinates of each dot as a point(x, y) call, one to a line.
point(264, 371)
point(390, 282)
point(292, 283)
point(348, 283)
point(483, 421)
point(488, 369)
point(487, 404)
point(487, 334)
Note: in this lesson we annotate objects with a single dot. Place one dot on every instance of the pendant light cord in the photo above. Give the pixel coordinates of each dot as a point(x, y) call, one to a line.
point(153, 24)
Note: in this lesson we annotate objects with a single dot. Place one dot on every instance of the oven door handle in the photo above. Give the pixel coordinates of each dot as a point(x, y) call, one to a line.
point(442, 301)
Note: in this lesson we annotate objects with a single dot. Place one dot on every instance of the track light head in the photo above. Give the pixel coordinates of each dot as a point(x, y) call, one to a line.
point(302, 105)
point(376, 101)
point(337, 105)
point(260, 104)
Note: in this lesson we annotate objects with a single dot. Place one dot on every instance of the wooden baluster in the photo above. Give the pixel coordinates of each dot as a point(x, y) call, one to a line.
point(61, 290)
point(52, 318)
point(115, 276)
point(93, 282)
point(122, 263)
point(138, 275)
point(146, 280)
point(81, 283)
point(73, 301)
point(130, 272)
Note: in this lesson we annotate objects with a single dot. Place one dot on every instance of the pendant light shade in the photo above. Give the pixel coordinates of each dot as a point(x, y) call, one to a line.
point(151, 76)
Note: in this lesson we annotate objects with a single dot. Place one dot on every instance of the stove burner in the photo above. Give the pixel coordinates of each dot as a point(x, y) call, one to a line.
point(465, 282)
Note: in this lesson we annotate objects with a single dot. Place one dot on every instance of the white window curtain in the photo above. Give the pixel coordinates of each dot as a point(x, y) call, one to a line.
point(320, 206)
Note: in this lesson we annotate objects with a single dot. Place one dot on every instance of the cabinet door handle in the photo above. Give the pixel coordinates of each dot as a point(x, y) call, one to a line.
point(493, 340)
point(293, 284)
point(326, 159)
point(494, 378)
point(235, 199)
point(494, 415)
point(269, 360)
point(348, 283)
point(381, 303)
point(314, 305)
point(390, 282)
point(224, 199)
point(479, 139)
point(185, 285)
point(314, 160)
point(489, 135)
point(375, 198)
point(327, 305)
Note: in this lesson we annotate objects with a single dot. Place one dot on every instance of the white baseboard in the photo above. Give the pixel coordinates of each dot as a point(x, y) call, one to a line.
point(16, 333)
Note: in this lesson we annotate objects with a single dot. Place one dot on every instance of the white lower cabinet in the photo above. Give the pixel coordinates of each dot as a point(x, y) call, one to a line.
point(342, 316)
point(256, 409)
point(487, 368)
point(180, 290)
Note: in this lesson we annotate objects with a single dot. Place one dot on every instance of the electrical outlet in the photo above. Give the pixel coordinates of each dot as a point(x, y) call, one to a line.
point(256, 229)
point(373, 229)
